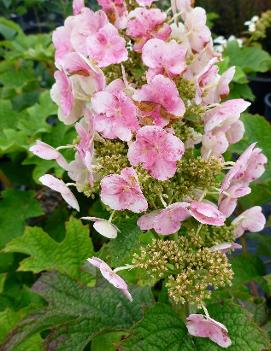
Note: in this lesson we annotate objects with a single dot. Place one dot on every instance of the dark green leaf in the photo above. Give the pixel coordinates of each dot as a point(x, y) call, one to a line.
point(15, 207)
point(160, 330)
point(76, 314)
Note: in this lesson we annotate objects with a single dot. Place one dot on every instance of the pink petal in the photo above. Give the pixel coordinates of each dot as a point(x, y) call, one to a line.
point(77, 6)
point(107, 47)
point(169, 100)
point(145, 2)
point(59, 186)
point(206, 213)
point(157, 151)
point(122, 192)
point(251, 220)
point(103, 227)
point(225, 247)
point(201, 326)
point(47, 152)
point(226, 78)
point(236, 132)
point(86, 25)
point(110, 276)
point(227, 113)
point(65, 90)
point(157, 54)
point(167, 221)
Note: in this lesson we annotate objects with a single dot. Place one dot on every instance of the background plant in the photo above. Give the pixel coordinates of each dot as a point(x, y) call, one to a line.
point(45, 215)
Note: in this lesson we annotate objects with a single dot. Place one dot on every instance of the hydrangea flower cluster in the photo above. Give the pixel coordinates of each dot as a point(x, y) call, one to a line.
point(145, 96)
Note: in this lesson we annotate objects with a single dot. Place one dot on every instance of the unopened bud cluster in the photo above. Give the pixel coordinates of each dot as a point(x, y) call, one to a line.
point(191, 273)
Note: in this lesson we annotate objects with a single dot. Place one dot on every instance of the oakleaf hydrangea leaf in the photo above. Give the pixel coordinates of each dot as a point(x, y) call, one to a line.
point(243, 331)
point(15, 208)
point(47, 254)
point(8, 319)
point(126, 242)
point(250, 59)
point(162, 329)
point(75, 314)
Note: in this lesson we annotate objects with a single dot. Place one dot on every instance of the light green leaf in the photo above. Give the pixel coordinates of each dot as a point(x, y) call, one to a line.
point(107, 341)
point(241, 91)
point(250, 59)
point(8, 116)
point(76, 314)
point(126, 242)
point(47, 254)
point(130, 238)
point(12, 140)
point(15, 208)
point(8, 319)
point(2, 281)
point(9, 29)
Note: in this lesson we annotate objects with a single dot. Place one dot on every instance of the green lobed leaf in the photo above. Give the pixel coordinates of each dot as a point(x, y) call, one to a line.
point(241, 91)
point(250, 59)
point(246, 268)
point(243, 331)
point(108, 341)
point(75, 314)
point(162, 329)
point(8, 319)
point(45, 253)
point(15, 208)
point(126, 242)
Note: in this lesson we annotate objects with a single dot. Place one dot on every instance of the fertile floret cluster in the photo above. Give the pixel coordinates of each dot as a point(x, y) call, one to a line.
point(191, 270)
point(143, 89)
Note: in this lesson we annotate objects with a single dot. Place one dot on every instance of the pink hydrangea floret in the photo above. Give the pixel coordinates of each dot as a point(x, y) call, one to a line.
point(116, 113)
point(122, 192)
point(206, 213)
point(166, 221)
point(157, 151)
point(161, 108)
point(113, 278)
point(206, 327)
point(252, 220)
